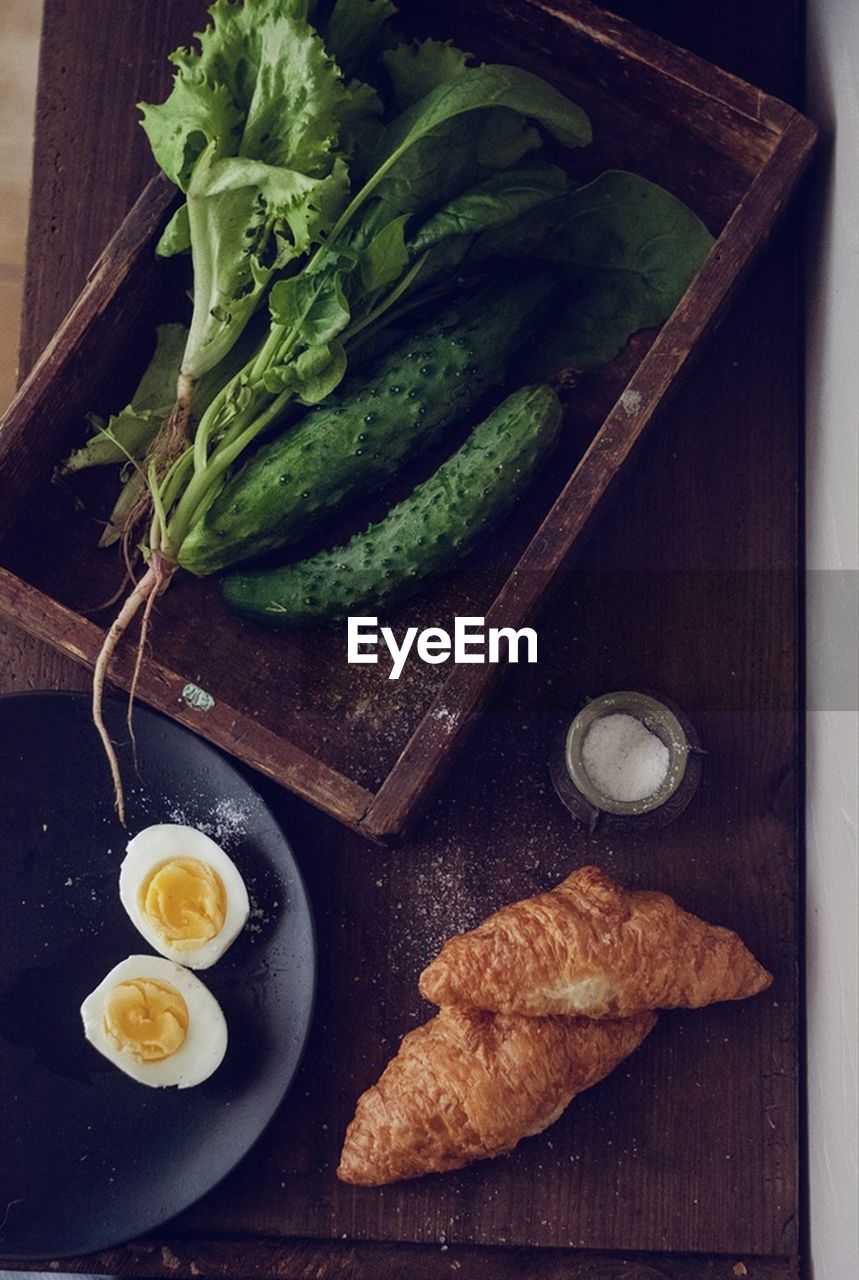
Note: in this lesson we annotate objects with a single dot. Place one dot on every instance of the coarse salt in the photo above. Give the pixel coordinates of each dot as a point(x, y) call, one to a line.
point(623, 759)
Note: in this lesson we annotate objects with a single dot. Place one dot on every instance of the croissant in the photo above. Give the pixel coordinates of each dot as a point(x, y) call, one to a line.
point(592, 948)
point(470, 1084)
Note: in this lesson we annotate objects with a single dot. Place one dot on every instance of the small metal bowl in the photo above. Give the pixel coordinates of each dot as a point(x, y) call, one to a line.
point(588, 804)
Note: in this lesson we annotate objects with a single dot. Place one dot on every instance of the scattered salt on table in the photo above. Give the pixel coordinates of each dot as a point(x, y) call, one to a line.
point(623, 759)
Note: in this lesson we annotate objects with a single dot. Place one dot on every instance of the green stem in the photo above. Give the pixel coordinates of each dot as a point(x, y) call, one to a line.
point(209, 421)
point(201, 483)
point(174, 481)
point(384, 307)
point(267, 352)
point(204, 430)
point(355, 204)
point(158, 531)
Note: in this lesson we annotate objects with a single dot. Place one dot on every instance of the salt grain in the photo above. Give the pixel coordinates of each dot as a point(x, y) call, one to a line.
point(225, 822)
point(623, 759)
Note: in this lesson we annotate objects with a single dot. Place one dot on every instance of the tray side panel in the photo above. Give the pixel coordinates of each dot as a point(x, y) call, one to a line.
point(81, 356)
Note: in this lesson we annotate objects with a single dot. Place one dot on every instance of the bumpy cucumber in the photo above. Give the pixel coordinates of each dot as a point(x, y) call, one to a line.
point(358, 440)
point(421, 537)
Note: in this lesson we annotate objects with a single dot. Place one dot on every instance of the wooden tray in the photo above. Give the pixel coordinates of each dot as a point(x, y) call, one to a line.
point(367, 750)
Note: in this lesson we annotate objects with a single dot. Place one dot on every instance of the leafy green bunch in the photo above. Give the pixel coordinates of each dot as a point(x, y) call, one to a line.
point(335, 178)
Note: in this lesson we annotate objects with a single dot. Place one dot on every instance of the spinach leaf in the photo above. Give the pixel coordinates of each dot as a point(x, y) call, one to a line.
point(386, 257)
point(360, 128)
point(318, 370)
point(422, 157)
point(496, 201)
point(312, 304)
point(626, 251)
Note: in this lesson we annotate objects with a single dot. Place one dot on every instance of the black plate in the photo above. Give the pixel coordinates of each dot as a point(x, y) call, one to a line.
point(89, 1158)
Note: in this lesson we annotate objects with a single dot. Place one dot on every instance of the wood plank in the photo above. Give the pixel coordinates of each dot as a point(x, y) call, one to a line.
point(67, 232)
point(19, 42)
point(11, 295)
point(316, 1260)
point(715, 622)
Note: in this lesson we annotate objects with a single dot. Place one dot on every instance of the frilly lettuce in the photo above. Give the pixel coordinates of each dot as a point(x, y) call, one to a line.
point(257, 132)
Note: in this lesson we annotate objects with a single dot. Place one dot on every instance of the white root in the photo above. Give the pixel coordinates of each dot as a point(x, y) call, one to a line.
point(147, 588)
point(171, 440)
point(163, 577)
point(185, 389)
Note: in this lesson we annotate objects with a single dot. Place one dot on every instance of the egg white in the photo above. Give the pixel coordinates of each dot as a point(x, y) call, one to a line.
point(160, 843)
point(205, 1044)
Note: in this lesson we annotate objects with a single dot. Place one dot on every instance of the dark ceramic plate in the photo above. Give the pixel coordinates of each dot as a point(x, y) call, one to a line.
point(88, 1158)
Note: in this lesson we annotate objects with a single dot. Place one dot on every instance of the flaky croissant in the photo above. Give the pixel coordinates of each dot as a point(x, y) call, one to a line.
point(470, 1084)
point(592, 948)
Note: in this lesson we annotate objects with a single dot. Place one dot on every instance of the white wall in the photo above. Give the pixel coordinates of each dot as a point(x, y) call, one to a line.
point(832, 528)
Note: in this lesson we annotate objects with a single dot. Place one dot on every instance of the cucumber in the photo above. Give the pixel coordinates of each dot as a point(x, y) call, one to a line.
point(358, 439)
point(421, 537)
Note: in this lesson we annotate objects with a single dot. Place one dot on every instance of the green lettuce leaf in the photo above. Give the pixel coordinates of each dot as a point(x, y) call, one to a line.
point(128, 433)
point(176, 236)
point(418, 67)
point(251, 134)
point(354, 31)
point(275, 214)
point(214, 86)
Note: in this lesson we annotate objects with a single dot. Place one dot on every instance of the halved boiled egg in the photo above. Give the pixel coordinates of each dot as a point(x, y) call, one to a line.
point(156, 1022)
point(183, 893)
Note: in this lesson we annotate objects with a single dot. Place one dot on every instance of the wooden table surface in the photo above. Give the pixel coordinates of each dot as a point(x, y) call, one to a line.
point(690, 586)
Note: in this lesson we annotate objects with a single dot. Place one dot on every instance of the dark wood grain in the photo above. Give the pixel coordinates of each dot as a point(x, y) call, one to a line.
point(690, 587)
point(80, 354)
point(309, 1260)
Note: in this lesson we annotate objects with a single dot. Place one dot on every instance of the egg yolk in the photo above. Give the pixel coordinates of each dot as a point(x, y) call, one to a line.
point(185, 902)
point(146, 1018)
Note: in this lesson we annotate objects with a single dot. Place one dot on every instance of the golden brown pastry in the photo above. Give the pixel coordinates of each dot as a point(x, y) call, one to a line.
point(590, 947)
point(470, 1084)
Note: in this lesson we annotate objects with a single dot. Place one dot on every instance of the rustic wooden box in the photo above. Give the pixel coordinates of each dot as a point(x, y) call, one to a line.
point(365, 749)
